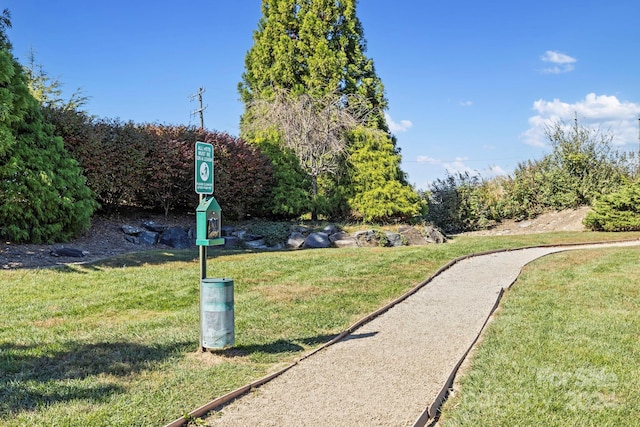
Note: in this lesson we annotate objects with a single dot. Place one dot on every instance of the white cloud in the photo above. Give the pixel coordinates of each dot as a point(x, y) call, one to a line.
point(494, 171)
point(429, 160)
point(466, 104)
point(394, 127)
point(459, 166)
point(603, 112)
point(562, 63)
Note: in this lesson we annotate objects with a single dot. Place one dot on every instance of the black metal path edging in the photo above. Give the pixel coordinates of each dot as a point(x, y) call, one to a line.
point(431, 412)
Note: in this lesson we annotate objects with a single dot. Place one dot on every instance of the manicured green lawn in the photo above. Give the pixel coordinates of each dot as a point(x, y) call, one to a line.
point(116, 343)
point(564, 349)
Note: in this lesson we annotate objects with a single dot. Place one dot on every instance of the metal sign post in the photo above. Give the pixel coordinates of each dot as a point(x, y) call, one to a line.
point(216, 306)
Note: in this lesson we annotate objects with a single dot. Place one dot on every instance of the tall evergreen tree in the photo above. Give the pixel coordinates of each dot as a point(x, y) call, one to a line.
point(43, 196)
point(316, 47)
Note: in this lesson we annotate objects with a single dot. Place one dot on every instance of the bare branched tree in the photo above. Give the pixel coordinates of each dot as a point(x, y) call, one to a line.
point(314, 128)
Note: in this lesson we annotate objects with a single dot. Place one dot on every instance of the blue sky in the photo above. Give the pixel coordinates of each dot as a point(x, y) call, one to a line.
point(470, 84)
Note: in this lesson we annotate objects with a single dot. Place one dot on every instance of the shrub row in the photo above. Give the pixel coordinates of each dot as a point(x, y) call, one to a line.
point(152, 166)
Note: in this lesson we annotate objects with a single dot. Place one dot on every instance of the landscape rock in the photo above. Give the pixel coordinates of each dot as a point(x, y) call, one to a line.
point(347, 241)
point(175, 237)
point(227, 230)
point(317, 241)
point(153, 226)
point(366, 238)
point(232, 242)
point(248, 237)
point(295, 240)
point(302, 229)
point(132, 239)
point(433, 235)
point(412, 236)
point(331, 229)
point(394, 239)
point(148, 237)
point(339, 236)
point(131, 230)
point(255, 244)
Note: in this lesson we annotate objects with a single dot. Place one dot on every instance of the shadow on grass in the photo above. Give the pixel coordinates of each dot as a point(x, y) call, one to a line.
point(79, 372)
point(152, 257)
point(134, 259)
point(277, 347)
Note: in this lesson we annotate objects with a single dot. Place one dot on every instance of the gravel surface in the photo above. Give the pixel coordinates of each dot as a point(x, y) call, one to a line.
point(391, 369)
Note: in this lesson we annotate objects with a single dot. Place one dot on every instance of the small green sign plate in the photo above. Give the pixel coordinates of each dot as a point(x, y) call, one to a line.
point(204, 168)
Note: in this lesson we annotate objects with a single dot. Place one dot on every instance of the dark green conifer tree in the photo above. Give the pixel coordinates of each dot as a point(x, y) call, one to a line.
point(43, 196)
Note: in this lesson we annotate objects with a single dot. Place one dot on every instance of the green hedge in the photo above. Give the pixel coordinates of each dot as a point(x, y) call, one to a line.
point(152, 166)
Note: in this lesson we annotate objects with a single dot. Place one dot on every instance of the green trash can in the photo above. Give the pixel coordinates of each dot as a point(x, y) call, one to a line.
point(217, 313)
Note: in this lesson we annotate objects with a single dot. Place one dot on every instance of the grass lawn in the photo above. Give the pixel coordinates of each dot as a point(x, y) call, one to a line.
point(564, 349)
point(116, 342)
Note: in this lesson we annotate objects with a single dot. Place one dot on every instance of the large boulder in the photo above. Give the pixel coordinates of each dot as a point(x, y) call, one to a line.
point(255, 244)
point(153, 226)
point(295, 240)
point(148, 237)
point(433, 235)
point(175, 237)
point(394, 239)
point(232, 242)
point(131, 230)
point(343, 240)
point(367, 238)
point(412, 236)
point(317, 241)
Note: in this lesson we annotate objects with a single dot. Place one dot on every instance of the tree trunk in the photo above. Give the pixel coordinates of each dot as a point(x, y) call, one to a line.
point(314, 197)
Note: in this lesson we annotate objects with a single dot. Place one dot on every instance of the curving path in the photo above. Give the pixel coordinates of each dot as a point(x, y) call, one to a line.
point(393, 370)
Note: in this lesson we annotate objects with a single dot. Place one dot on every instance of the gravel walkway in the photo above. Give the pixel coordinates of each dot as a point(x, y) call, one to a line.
point(390, 370)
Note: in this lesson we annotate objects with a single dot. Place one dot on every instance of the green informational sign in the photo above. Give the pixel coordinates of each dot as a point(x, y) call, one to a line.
point(204, 168)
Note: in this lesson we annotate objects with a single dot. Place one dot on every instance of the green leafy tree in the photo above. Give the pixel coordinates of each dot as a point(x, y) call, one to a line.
point(464, 202)
point(315, 48)
point(43, 196)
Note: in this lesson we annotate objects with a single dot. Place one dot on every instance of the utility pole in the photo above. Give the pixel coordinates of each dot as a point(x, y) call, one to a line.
point(201, 109)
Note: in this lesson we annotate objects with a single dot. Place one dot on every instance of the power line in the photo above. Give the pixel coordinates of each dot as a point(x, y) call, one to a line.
point(438, 161)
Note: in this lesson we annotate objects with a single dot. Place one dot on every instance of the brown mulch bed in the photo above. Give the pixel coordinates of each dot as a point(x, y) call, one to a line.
point(103, 240)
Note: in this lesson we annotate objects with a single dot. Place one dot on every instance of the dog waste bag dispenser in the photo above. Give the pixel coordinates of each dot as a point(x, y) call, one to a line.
point(208, 223)
point(216, 295)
